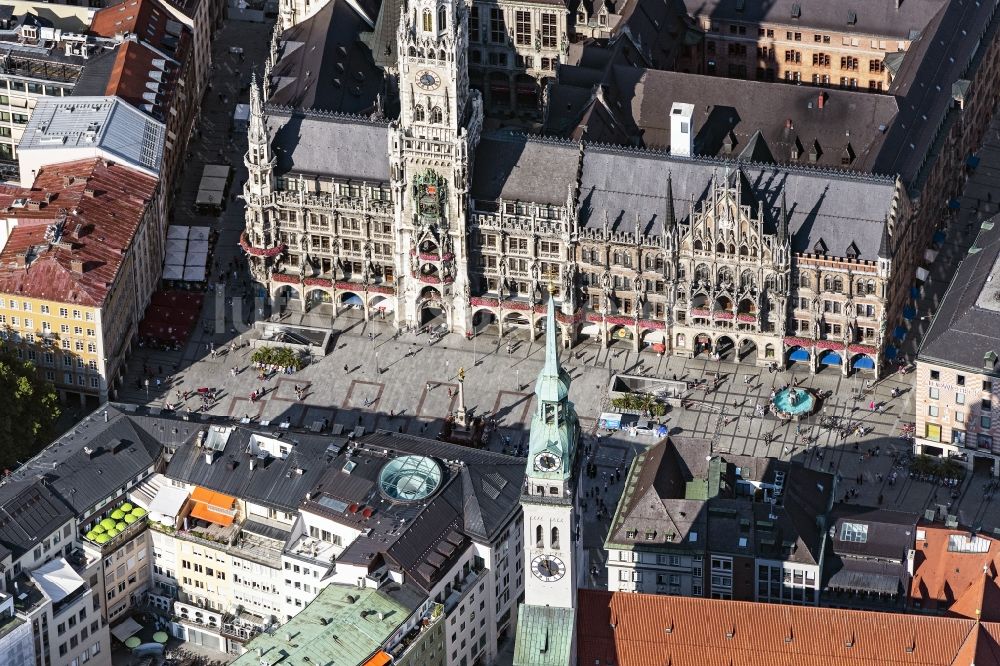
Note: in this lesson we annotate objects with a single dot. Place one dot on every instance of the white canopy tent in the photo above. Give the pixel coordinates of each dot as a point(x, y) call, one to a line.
point(173, 272)
point(194, 273)
point(57, 579)
point(125, 630)
point(178, 231)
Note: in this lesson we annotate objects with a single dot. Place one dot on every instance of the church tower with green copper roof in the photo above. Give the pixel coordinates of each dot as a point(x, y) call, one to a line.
point(546, 631)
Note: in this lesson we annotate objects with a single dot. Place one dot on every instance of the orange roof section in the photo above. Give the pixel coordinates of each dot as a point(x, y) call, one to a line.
point(103, 205)
point(941, 576)
point(213, 507)
point(625, 629)
point(380, 658)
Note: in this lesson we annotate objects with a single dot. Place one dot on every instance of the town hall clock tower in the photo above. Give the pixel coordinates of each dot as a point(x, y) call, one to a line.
point(546, 629)
point(431, 148)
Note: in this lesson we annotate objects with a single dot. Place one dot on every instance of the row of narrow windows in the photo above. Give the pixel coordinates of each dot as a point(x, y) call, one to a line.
point(540, 538)
point(428, 22)
point(435, 117)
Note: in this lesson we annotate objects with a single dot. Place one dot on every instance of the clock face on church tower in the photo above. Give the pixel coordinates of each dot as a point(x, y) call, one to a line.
point(428, 80)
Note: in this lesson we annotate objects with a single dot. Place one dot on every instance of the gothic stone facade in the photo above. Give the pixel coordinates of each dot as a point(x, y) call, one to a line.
point(425, 218)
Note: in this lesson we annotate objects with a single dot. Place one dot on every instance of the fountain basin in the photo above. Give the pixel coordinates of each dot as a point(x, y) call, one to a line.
point(794, 402)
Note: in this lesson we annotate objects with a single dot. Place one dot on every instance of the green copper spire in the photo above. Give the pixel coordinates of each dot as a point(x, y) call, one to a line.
point(555, 428)
point(553, 382)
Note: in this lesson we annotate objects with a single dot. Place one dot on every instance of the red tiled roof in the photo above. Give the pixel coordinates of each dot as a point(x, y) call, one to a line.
point(629, 629)
point(131, 77)
point(147, 19)
point(105, 201)
point(941, 576)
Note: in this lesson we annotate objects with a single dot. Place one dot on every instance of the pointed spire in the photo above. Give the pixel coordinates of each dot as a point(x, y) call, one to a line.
point(257, 133)
point(783, 220)
point(671, 217)
point(885, 244)
point(552, 367)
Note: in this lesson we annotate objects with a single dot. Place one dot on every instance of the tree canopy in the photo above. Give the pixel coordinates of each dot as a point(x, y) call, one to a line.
point(29, 408)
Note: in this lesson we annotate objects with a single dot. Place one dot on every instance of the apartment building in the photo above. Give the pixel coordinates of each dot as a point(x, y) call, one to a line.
point(16, 640)
point(725, 527)
point(76, 277)
point(153, 70)
point(43, 58)
point(957, 394)
point(869, 558)
point(850, 45)
point(232, 532)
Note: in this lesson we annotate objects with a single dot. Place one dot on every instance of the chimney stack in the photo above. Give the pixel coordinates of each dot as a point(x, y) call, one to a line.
point(76, 265)
point(681, 129)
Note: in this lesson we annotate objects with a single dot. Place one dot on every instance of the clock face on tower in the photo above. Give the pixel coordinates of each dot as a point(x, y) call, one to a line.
point(428, 80)
point(547, 462)
point(548, 568)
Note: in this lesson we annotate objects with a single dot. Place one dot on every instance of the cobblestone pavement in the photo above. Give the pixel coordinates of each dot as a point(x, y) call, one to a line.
point(402, 382)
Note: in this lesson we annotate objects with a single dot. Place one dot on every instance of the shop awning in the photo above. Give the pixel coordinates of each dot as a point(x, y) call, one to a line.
point(832, 358)
point(213, 507)
point(799, 354)
point(954, 204)
point(923, 274)
point(864, 363)
point(909, 312)
point(380, 658)
point(899, 332)
point(124, 630)
point(938, 237)
point(930, 255)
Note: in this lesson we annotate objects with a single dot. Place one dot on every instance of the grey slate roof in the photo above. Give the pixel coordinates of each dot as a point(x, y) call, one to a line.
point(329, 144)
point(671, 494)
point(120, 449)
point(275, 483)
point(882, 17)
point(515, 167)
point(925, 80)
point(732, 110)
point(478, 496)
point(967, 324)
point(890, 533)
point(382, 41)
point(323, 66)
point(838, 208)
point(30, 513)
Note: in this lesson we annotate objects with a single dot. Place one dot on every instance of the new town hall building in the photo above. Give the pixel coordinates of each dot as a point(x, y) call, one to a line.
point(394, 190)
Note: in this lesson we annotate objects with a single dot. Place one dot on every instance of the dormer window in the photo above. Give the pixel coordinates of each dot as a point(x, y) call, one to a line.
point(602, 19)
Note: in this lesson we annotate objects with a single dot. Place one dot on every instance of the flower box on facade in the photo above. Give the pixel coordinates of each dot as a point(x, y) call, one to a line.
point(448, 280)
point(829, 344)
point(430, 279)
point(318, 282)
point(620, 321)
point(798, 342)
point(595, 317)
point(487, 302)
point(447, 256)
point(426, 256)
point(569, 319)
point(652, 324)
point(260, 251)
point(353, 286)
point(286, 278)
point(746, 318)
point(723, 315)
point(381, 289)
point(699, 312)
point(516, 305)
point(862, 349)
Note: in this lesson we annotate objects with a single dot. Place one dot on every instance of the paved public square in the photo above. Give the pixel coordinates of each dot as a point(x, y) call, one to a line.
point(376, 379)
